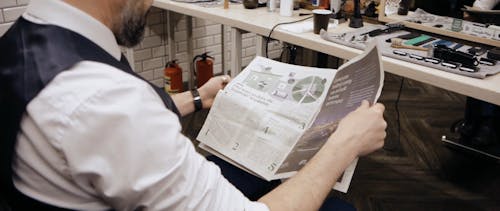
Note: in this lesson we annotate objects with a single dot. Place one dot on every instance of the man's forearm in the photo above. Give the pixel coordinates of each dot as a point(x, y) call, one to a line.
point(184, 102)
point(310, 186)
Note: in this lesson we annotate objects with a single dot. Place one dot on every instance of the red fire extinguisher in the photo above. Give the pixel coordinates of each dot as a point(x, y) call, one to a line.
point(204, 68)
point(172, 77)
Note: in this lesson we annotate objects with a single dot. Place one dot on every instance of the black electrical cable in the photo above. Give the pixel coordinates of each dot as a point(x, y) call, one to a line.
point(274, 27)
point(397, 108)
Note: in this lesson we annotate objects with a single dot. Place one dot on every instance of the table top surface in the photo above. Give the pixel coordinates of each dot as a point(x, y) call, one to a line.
point(260, 21)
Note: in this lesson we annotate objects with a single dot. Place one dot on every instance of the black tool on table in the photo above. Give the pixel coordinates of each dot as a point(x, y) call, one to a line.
point(400, 53)
point(356, 20)
point(494, 54)
point(404, 6)
point(409, 36)
point(478, 51)
point(417, 57)
point(390, 29)
point(448, 54)
point(486, 61)
point(404, 37)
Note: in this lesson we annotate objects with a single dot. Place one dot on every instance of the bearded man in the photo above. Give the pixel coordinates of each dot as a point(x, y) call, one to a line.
point(81, 131)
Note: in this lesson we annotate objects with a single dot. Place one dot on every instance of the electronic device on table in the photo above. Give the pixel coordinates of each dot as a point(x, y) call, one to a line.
point(446, 53)
point(423, 49)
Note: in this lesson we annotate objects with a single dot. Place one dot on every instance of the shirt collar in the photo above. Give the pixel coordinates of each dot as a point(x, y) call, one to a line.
point(59, 13)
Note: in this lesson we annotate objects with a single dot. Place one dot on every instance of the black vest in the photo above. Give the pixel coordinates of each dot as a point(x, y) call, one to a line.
point(31, 55)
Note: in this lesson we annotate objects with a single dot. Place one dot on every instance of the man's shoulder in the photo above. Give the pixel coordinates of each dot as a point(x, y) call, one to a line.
point(86, 79)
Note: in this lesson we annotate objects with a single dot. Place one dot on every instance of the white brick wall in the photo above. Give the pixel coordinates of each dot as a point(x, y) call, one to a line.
point(152, 54)
point(8, 3)
point(12, 13)
point(10, 10)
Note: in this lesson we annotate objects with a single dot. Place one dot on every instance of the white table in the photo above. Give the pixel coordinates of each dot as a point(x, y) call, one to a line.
point(260, 22)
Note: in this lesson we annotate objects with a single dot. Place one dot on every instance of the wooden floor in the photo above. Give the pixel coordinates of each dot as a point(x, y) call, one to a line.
point(416, 171)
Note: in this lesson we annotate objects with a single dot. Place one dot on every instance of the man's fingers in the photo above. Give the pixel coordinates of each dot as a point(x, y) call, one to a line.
point(364, 104)
point(225, 79)
point(378, 108)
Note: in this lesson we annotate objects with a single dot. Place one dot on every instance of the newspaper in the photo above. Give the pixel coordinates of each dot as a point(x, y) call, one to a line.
point(273, 117)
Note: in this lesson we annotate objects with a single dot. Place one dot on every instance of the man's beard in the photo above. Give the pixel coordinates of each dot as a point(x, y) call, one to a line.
point(132, 28)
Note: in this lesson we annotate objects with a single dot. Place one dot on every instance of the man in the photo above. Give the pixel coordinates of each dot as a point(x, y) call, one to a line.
point(81, 131)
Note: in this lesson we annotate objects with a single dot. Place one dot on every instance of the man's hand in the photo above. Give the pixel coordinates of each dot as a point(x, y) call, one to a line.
point(210, 89)
point(362, 130)
point(359, 133)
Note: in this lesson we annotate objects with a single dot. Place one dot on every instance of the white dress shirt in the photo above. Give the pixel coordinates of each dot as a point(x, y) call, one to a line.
point(97, 138)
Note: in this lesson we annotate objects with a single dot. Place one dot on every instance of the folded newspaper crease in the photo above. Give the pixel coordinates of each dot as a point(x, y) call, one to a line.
point(273, 117)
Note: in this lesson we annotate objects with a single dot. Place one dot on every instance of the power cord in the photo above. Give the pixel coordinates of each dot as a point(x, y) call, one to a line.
point(274, 27)
point(397, 108)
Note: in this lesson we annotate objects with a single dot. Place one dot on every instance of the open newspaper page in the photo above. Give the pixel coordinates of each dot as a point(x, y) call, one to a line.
point(273, 117)
point(359, 79)
point(258, 118)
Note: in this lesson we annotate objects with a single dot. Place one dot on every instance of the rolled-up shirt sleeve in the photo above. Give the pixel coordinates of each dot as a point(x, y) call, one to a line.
point(125, 148)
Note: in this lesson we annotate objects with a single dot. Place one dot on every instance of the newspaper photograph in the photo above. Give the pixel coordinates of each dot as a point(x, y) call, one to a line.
point(273, 117)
